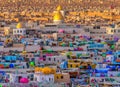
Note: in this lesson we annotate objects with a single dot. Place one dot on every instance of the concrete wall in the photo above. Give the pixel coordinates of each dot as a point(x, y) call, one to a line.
point(43, 78)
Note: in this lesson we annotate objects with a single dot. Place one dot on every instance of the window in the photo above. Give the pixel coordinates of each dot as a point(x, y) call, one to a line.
point(31, 79)
point(63, 60)
point(70, 65)
point(86, 30)
point(44, 59)
point(24, 31)
point(61, 77)
point(20, 31)
point(35, 79)
point(44, 56)
point(114, 30)
point(68, 56)
point(26, 55)
point(30, 55)
point(42, 78)
point(54, 59)
point(52, 79)
point(118, 30)
point(33, 59)
point(49, 79)
point(119, 56)
point(76, 66)
point(28, 77)
point(49, 59)
point(17, 31)
point(98, 27)
point(98, 58)
point(57, 77)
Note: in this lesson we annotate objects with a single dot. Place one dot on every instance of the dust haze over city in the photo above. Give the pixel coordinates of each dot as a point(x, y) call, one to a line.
point(43, 9)
point(59, 43)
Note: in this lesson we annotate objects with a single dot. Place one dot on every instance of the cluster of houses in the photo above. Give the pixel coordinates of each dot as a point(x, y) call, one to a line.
point(60, 54)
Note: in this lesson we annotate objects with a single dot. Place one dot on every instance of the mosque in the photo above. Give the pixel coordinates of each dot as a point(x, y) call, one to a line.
point(20, 30)
point(58, 24)
point(58, 19)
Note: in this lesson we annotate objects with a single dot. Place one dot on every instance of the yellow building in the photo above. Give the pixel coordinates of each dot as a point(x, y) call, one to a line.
point(62, 78)
point(113, 31)
point(73, 65)
point(109, 31)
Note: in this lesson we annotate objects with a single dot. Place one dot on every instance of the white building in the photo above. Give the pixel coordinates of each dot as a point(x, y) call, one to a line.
point(15, 78)
point(98, 31)
point(43, 77)
point(21, 31)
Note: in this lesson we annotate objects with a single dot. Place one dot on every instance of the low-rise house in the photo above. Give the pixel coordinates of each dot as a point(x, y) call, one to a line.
point(62, 78)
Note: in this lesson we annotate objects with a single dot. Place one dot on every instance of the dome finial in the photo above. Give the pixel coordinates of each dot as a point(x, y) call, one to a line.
point(59, 8)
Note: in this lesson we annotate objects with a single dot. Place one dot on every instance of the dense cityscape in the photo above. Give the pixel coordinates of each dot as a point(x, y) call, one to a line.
point(59, 43)
point(41, 10)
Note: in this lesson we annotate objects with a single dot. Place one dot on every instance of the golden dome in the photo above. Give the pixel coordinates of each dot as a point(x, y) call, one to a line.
point(58, 16)
point(19, 25)
point(59, 8)
point(45, 70)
